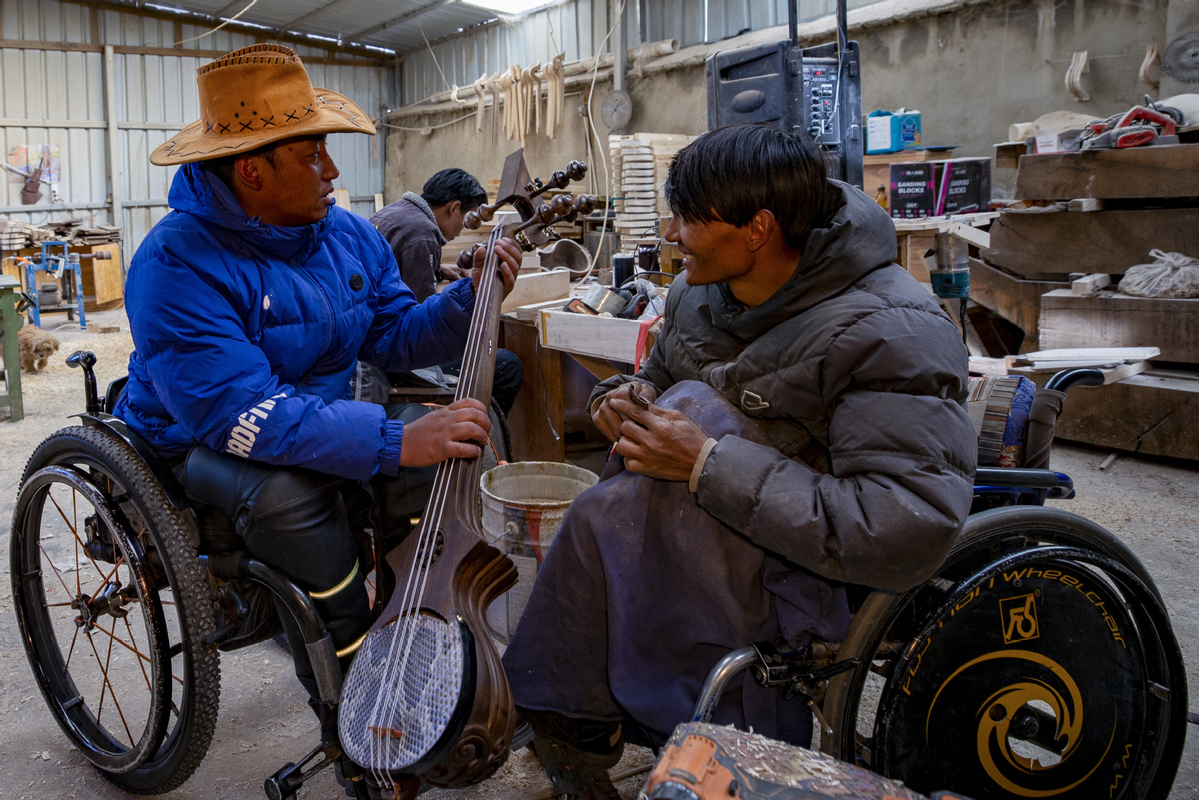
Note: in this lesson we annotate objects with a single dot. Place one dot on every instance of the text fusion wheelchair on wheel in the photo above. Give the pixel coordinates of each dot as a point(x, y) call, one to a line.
point(1038, 662)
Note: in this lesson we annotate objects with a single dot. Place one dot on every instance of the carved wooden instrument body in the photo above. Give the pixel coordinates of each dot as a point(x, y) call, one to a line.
point(426, 696)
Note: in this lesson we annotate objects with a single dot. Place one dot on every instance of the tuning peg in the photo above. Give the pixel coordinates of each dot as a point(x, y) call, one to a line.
point(466, 258)
point(562, 204)
point(585, 203)
point(472, 220)
point(576, 170)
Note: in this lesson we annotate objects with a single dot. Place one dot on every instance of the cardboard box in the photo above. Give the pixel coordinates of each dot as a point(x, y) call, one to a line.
point(892, 131)
point(913, 190)
point(965, 186)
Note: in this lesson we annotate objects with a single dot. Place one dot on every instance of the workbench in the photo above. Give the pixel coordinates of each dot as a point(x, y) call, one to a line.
point(603, 346)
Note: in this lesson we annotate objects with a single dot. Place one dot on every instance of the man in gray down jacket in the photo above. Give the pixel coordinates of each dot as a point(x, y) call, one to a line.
point(417, 226)
point(800, 424)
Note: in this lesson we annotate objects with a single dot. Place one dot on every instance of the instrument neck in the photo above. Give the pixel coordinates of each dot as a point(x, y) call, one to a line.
point(457, 476)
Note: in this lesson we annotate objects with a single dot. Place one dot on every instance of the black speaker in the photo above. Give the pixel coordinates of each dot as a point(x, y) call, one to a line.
point(811, 91)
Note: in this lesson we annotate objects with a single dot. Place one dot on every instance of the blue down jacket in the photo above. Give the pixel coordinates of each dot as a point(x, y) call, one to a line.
point(247, 335)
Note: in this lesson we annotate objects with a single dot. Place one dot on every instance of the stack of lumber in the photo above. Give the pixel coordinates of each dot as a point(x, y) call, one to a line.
point(639, 166)
point(1053, 270)
point(75, 232)
point(20, 235)
point(1097, 211)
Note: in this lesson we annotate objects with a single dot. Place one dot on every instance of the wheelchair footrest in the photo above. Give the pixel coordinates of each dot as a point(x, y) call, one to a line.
point(290, 777)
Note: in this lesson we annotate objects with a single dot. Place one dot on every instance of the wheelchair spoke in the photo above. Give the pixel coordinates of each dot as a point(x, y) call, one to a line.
point(75, 532)
point(58, 573)
point(142, 659)
point(107, 687)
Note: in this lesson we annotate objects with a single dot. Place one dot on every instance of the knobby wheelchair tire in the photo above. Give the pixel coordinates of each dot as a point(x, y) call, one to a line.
point(114, 607)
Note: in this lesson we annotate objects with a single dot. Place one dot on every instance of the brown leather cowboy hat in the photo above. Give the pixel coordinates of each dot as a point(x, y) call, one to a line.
point(252, 97)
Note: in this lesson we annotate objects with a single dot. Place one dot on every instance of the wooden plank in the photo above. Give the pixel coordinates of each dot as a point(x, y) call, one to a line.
point(529, 313)
point(1166, 171)
point(1089, 285)
point(536, 287)
point(538, 412)
point(102, 277)
point(1153, 413)
point(1018, 301)
point(1037, 244)
point(601, 337)
point(1118, 320)
point(1090, 355)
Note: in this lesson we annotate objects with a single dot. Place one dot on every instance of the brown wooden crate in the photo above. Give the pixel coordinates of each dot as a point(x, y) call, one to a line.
point(1110, 319)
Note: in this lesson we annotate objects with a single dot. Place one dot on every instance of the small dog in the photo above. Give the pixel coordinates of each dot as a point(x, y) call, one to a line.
point(35, 347)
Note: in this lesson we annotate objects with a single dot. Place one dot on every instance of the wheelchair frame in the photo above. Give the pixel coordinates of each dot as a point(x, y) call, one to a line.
point(830, 677)
point(1011, 529)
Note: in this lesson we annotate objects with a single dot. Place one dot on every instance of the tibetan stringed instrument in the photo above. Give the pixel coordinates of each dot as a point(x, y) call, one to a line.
point(426, 698)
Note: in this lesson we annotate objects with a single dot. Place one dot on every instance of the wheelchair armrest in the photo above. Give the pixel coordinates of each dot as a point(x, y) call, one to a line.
point(1021, 477)
point(1058, 485)
point(1067, 379)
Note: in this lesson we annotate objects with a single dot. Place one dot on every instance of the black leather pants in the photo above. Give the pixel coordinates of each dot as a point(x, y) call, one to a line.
point(295, 521)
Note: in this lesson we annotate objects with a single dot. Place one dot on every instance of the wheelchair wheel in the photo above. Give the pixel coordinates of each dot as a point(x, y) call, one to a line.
point(113, 607)
point(1040, 662)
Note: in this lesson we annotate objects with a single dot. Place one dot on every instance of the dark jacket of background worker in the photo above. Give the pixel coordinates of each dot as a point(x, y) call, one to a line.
point(417, 226)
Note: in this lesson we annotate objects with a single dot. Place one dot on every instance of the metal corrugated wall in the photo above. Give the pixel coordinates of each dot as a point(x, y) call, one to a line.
point(58, 98)
point(577, 28)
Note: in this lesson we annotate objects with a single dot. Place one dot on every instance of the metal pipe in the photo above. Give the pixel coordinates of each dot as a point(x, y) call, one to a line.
point(735, 662)
point(114, 167)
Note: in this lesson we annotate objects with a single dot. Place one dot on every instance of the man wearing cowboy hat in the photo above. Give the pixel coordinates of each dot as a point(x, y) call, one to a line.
point(251, 305)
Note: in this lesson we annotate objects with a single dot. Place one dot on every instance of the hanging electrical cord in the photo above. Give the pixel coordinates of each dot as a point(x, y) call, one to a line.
point(594, 134)
point(218, 27)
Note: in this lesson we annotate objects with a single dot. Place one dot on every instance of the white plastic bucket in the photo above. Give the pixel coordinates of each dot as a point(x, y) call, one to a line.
point(523, 507)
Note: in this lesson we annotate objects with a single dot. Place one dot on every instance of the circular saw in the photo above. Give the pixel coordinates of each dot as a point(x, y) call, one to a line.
point(1181, 59)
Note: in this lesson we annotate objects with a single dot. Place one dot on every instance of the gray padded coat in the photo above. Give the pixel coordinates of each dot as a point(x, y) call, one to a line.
point(859, 380)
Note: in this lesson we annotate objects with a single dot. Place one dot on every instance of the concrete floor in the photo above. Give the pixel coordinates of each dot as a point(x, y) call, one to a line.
point(1151, 505)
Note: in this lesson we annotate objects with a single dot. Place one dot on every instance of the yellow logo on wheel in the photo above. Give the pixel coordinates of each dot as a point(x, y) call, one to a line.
point(1019, 616)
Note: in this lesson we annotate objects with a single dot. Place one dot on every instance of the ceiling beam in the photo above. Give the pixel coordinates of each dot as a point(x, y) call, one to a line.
point(196, 18)
point(402, 18)
point(229, 9)
point(295, 23)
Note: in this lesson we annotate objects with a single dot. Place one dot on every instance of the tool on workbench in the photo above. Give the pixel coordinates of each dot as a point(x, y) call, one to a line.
point(1137, 127)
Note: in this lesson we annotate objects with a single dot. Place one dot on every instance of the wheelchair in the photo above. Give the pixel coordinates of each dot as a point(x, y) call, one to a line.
point(1039, 661)
point(126, 592)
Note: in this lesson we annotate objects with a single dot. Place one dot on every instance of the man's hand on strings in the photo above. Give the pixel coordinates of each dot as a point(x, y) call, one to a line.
point(657, 442)
point(510, 256)
point(457, 431)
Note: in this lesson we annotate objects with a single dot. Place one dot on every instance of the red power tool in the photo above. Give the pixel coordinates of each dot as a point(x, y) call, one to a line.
point(1138, 126)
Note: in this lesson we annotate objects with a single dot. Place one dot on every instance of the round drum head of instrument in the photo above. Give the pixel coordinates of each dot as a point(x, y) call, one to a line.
point(403, 692)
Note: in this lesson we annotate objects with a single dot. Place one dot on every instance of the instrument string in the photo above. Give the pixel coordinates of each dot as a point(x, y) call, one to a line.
point(406, 627)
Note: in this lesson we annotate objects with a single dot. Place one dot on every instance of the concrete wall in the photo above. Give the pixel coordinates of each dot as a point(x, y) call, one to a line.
point(972, 69)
